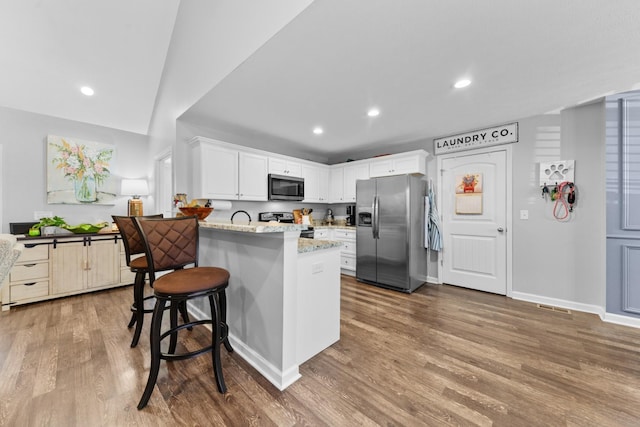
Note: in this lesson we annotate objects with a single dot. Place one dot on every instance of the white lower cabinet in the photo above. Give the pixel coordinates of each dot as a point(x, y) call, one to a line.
point(348, 250)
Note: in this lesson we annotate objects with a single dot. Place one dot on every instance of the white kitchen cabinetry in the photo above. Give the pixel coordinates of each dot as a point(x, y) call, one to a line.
point(348, 251)
point(336, 184)
point(413, 162)
point(280, 166)
point(316, 183)
point(221, 172)
point(215, 172)
point(347, 236)
point(252, 176)
point(84, 265)
point(226, 171)
point(352, 173)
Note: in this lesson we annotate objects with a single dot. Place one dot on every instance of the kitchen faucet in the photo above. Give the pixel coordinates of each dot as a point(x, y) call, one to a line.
point(245, 212)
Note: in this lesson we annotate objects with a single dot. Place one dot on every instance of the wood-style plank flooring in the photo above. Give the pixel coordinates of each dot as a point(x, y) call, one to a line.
point(441, 356)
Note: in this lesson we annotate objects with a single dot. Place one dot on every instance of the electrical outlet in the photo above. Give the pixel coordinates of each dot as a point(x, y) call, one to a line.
point(42, 214)
point(524, 214)
point(316, 268)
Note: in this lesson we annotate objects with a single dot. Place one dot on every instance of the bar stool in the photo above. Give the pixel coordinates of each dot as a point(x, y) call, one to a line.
point(133, 245)
point(172, 244)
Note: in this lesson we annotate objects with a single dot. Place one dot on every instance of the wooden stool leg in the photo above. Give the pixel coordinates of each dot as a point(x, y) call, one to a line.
point(156, 324)
point(215, 332)
point(138, 301)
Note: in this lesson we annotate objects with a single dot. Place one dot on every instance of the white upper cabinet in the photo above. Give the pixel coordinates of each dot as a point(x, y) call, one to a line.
point(352, 173)
point(316, 183)
point(336, 184)
point(281, 166)
point(252, 176)
point(221, 172)
point(215, 172)
point(413, 162)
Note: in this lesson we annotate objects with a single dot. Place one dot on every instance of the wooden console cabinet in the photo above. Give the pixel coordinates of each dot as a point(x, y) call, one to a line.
point(59, 266)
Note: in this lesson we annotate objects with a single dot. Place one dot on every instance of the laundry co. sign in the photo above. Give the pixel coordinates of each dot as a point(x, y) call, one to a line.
point(477, 139)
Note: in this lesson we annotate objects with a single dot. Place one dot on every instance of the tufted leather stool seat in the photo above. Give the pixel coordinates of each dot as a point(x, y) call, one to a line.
point(172, 244)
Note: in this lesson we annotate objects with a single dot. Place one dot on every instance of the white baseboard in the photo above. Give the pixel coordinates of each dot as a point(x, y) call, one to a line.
point(433, 280)
point(571, 305)
point(274, 375)
point(618, 319)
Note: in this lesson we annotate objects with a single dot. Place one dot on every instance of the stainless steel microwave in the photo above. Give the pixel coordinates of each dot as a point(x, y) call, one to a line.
point(283, 187)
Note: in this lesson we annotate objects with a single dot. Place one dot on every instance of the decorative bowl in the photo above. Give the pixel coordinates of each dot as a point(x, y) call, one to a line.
point(85, 228)
point(201, 212)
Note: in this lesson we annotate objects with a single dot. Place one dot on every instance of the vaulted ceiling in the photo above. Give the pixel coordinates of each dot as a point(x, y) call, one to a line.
point(329, 66)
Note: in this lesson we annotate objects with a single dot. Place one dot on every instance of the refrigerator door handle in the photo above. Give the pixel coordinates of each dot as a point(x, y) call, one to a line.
point(376, 225)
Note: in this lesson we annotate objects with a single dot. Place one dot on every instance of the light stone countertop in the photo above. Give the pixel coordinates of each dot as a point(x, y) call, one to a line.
point(304, 245)
point(344, 227)
point(312, 245)
point(253, 226)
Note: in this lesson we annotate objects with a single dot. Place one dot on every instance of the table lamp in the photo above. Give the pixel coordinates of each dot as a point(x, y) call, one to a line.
point(135, 188)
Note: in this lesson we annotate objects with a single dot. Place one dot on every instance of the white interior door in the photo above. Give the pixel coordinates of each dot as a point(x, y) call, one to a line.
point(474, 220)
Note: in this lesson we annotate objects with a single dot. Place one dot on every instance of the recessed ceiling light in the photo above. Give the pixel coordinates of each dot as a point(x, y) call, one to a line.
point(462, 83)
point(86, 90)
point(373, 112)
point(317, 130)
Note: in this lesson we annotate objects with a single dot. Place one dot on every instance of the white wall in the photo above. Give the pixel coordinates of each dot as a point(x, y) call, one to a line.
point(210, 39)
point(564, 262)
point(24, 168)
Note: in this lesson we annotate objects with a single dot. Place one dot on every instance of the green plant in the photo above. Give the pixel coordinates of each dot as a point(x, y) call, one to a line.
point(56, 221)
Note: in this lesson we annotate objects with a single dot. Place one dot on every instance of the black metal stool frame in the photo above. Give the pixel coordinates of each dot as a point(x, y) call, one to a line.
point(218, 306)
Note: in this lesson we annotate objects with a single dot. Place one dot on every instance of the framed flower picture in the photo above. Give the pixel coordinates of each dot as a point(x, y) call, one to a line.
point(80, 172)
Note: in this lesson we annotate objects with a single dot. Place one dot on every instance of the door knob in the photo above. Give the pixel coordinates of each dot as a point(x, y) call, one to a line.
point(500, 229)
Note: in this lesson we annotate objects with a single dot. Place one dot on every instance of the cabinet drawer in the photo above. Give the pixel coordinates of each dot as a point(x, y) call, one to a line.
point(345, 234)
point(322, 233)
point(37, 253)
point(349, 247)
point(29, 290)
point(348, 262)
point(24, 272)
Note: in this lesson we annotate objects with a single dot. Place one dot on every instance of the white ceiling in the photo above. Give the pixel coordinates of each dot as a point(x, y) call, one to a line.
point(49, 49)
point(329, 65)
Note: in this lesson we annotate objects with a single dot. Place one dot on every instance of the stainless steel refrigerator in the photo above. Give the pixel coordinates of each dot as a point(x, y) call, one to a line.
point(390, 231)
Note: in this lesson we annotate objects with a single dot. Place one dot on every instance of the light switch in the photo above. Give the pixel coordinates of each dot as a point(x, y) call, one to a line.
point(524, 214)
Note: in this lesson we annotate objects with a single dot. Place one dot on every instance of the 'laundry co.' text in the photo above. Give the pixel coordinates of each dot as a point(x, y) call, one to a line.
point(481, 138)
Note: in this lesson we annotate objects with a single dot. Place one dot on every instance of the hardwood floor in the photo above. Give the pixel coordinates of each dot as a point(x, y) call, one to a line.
point(441, 356)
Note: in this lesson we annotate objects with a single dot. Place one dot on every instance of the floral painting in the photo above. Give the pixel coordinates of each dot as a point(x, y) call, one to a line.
point(79, 172)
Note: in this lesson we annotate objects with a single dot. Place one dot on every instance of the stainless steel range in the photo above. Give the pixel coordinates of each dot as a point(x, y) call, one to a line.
point(284, 217)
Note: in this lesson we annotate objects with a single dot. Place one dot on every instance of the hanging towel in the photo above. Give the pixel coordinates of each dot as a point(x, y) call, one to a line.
point(435, 238)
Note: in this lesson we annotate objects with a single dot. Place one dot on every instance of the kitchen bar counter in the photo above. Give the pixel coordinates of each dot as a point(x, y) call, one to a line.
point(283, 299)
point(253, 227)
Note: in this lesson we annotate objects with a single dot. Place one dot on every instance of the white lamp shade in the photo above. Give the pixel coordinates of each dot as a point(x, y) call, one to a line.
point(134, 187)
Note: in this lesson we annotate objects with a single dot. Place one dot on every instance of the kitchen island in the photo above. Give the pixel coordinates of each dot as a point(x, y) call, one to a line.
point(283, 300)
